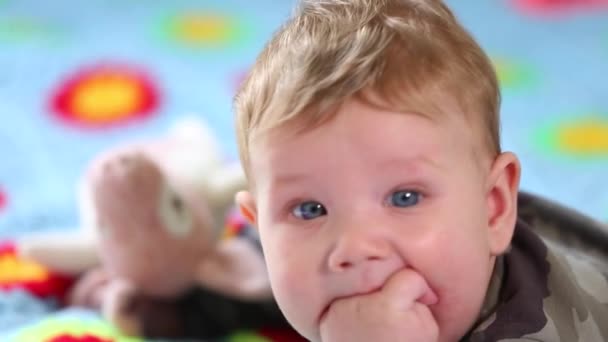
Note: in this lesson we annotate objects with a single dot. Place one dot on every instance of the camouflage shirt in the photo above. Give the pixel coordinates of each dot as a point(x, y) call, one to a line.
point(542, 293)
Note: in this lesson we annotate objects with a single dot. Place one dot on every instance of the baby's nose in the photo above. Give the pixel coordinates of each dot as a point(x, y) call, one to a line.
point(357, 250)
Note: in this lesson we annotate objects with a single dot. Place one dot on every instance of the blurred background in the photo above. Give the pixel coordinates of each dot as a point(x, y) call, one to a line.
point(78, 77)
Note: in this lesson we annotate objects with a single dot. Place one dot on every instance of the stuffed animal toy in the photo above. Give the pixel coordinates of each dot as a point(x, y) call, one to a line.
point(152, 213)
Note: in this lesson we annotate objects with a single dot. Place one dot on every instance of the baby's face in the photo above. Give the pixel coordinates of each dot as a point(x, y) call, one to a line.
point(342, 207)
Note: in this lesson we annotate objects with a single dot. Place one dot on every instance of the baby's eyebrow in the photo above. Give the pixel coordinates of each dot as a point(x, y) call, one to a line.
point(287, 178)
point(410, 163)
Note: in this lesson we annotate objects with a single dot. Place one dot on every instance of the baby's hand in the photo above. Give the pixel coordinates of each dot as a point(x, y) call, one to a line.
point(398, 312)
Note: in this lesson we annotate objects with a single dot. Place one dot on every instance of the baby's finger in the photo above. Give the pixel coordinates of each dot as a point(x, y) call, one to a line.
point(409, 287)
point(426, 320)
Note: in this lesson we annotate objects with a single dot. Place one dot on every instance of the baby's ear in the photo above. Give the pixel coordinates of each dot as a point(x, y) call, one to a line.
point(503, 188)
point(247, 206)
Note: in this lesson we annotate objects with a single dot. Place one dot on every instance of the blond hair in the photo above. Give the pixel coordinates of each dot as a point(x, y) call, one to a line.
point(406, 51)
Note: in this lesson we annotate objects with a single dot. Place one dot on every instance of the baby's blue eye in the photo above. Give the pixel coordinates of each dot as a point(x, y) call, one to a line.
point(309, 210)
point(405, 198)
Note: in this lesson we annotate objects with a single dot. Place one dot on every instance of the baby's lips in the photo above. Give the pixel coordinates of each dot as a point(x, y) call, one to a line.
point(429, 297)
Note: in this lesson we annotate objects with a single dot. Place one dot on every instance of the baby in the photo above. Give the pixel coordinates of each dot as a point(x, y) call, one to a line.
point(369, 132)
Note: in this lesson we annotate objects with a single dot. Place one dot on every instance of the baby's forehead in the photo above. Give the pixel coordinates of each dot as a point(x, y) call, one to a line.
point(371, 139)
point(276, 169)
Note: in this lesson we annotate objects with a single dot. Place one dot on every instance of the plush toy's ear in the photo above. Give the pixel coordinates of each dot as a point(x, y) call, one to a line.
point(223, 184)
point(190, 128)
point(198, 162)
point(235, 269)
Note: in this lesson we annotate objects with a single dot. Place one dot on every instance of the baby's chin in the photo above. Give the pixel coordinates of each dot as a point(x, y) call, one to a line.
point(311, 327)
point(454, 320)
point(304, 322)
point(310, 330)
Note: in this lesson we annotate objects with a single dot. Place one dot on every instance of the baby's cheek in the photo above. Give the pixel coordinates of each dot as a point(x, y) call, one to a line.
point(460, 286)
point(293, 269)
point(289, 266)
point(293, 282)
point(298, 298)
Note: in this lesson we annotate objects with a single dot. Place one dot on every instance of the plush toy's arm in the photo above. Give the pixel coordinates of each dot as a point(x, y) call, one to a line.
point(68, 253)
point(236, 269)
point(116, 307)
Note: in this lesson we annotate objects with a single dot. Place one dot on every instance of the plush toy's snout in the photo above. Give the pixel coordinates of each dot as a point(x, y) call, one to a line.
point(127, 165)
point(125, 162)
point(146, 224)
point(129, 175)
